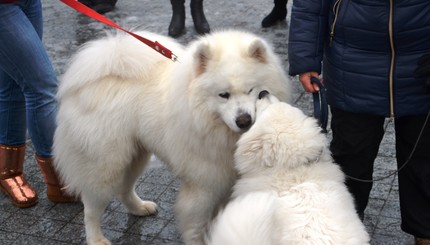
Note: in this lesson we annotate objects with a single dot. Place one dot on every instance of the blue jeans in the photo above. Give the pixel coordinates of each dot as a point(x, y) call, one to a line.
point(28, 83)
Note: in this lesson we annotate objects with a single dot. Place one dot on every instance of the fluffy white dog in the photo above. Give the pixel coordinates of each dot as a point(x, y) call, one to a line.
point(289, 191)
point(120, 101)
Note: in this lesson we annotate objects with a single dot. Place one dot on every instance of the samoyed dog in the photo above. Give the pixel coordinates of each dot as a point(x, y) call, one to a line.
point(120, 101)
point(289, 190)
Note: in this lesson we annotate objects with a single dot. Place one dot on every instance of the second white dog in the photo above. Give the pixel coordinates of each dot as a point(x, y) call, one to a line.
point(290, 191)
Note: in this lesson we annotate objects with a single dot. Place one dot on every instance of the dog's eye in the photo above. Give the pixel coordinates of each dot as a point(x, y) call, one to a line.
point(224, 95)
point(263, 94)
point(250, 91)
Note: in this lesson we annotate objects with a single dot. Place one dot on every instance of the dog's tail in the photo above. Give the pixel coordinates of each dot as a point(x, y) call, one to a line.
point(118, 55)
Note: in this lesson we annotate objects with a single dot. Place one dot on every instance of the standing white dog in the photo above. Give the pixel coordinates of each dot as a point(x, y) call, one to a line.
point(289, 191)
point(120, 101)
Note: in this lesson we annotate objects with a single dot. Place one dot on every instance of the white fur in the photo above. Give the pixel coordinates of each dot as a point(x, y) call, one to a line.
point(120, 101)
point(289, 190)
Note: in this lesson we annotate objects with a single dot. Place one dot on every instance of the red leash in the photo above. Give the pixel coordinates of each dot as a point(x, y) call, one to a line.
point(93, 14)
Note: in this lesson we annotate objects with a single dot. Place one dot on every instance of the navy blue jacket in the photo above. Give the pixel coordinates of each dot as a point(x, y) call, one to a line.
point(369, 50)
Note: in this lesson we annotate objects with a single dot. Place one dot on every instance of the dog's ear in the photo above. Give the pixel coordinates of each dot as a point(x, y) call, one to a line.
point(268, 156)
point(258, 50)
point(258, 150)
point(249, 153)
point(201, 58)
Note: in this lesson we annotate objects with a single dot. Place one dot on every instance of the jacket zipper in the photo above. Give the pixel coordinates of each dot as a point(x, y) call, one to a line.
point(393, 54)
point(336, 6)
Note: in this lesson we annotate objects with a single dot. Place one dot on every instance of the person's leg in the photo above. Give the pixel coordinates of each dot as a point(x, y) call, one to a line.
point(414, 178)
point(12, 112)
point(200, 23)
point(177, 23)
point(42, 109)
point(24, 59)
point(278, 13)
point(355, 144)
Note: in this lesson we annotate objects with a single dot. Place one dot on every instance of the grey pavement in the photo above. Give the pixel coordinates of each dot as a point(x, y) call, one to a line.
point(65, 30)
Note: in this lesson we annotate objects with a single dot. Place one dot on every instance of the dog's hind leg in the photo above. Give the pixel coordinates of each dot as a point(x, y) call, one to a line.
point(94, 207)
point(128, 196)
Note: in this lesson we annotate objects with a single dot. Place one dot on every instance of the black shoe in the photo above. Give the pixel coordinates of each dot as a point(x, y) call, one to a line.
point(277, 14)
point(103, 8)
point(88, 3)
point(100, 6)
point(200, 23)
point(177, 24)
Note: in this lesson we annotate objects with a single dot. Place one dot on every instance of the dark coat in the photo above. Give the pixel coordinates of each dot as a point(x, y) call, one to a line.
point(368, 63)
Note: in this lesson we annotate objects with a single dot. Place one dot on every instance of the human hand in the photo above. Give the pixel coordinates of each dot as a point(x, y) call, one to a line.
point(305, 80)
point(423, 71)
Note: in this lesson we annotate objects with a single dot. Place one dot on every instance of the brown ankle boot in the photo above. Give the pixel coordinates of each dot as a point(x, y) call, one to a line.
point(55, 191)
point(12, 179)
point(422, 241)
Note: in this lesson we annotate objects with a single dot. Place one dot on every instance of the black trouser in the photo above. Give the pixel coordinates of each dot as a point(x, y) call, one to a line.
point(355, 144)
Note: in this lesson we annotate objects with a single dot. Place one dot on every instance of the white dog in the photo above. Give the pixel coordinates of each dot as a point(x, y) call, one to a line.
point(289, 191)
point(120, 101)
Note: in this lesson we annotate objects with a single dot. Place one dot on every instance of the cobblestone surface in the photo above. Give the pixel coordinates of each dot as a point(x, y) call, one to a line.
point(48, 223)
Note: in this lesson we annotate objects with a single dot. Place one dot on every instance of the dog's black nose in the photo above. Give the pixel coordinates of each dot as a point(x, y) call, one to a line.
point(244, 121)
point(263, 94)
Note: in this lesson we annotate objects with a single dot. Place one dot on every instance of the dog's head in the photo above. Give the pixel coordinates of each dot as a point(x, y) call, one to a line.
point(283, 137)
point(230, 69)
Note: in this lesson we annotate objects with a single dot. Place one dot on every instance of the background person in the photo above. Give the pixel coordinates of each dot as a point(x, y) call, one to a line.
point(27, 101)
point(367, 52)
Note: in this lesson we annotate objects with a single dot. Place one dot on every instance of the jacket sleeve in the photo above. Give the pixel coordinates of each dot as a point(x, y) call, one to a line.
point(308, 31)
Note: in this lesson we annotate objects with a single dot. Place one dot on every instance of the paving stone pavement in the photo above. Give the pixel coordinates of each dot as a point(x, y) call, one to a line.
point(48, 223)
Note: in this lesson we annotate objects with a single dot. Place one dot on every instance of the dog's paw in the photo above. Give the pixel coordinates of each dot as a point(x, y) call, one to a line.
point(144, 208)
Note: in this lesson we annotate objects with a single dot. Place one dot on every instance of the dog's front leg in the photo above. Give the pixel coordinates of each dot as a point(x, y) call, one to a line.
point(195, 207)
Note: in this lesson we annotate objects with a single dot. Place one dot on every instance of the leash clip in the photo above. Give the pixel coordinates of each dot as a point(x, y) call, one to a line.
point(174, 58)
point(165, 51)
